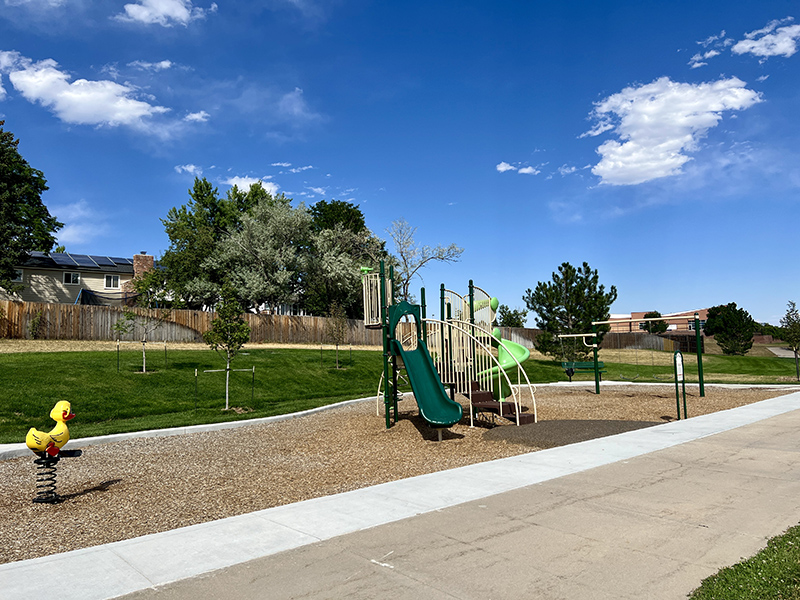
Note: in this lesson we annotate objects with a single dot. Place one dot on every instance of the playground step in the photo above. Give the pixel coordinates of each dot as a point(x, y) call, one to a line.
point(508, 410)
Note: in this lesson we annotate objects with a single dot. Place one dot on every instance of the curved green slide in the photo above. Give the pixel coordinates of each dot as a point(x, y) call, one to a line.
point(434, 404)
point(508, 355)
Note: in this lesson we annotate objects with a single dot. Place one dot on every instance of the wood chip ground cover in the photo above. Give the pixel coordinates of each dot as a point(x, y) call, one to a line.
point(128, 489)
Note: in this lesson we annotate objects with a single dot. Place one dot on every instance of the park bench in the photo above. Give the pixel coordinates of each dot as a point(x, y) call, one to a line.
point(572, 367)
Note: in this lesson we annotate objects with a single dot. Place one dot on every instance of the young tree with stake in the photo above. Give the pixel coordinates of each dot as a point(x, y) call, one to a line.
point(228, 332)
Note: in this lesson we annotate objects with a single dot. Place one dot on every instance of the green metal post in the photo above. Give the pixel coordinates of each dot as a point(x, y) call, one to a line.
point(596, 367)
point(443, 318)
point(424, 315)
point(385, 329)
point(677, 388)
point(394, 358)
point(699, 339)
point(471, 303)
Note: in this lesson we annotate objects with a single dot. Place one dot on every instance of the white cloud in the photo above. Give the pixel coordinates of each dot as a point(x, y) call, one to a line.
point(281, 164)
point(190, 168)
point(697, 60)
point(771, 40)
point(164, 12)
point(197, 117)
point(244, 183)
point(294, 107)
point(529, 171)
point(504, 166)
point(565, 170)
point(80, 102)
point(162, 65)
point(36, 3)
point(318, 190)
point(659, 123)
point(81, 223)
point(300, 169)
point(713, 40)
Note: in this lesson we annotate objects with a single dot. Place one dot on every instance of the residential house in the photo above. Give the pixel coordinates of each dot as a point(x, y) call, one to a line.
point(67, 278)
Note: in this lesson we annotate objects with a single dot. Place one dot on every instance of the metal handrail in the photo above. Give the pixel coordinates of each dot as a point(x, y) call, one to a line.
point(531, 387)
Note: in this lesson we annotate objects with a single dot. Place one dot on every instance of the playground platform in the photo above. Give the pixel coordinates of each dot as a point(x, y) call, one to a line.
point(643, 514)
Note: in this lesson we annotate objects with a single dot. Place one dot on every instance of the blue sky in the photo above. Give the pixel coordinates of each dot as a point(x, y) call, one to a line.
point(656, 141)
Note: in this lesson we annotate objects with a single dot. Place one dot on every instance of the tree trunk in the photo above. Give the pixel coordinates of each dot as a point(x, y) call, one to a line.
point(227, 381)
point(796, 365)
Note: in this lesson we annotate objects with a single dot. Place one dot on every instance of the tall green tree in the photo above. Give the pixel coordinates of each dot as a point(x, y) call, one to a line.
point(507, 317)
point(25, 222)
point(790, 333)
point(568, 304)
point(732, 328)
point(654, 326)
point(228, 332)
point(332, 271)
point(195, 229)
point(266, 258)
point(329, 215)
point(341, 243)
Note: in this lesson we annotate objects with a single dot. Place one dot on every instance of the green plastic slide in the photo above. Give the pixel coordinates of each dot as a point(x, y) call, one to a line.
point(434, 404)
point(506, 355)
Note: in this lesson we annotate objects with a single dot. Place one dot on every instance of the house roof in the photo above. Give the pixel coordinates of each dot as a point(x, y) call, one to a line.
point(64, 261)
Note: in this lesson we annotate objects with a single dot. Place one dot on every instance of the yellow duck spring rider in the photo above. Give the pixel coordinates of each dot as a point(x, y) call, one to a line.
point(51, 443)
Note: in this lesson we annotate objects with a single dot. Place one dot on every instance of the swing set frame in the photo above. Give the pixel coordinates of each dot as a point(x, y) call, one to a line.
point(594, 345)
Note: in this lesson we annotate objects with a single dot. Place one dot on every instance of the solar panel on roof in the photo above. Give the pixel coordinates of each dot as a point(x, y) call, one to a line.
point(122, 261)
point(103, 261)
point(83, 260)
point(63, 260)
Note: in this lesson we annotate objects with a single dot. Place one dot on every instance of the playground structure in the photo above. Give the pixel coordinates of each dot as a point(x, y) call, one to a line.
point(597, 365)
point(460, 351)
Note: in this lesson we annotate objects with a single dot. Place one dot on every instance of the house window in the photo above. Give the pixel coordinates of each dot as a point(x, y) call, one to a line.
point(691, 325)
point(17, 275)
point(112, 281)
point(72, 278)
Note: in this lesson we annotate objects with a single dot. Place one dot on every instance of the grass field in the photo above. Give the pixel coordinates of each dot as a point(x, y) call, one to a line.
point(108, 400)
point(772, 574)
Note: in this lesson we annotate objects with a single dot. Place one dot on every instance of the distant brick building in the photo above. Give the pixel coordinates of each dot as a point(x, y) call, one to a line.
point(679, 321)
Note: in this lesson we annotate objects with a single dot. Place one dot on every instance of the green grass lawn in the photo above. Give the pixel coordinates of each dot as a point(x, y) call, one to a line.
point(655, 367)
point(107, 401)
point(287, 380)
point(772, 574)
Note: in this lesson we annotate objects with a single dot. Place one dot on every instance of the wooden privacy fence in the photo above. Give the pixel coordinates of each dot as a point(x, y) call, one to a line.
point(669, 342)
point(21, 320)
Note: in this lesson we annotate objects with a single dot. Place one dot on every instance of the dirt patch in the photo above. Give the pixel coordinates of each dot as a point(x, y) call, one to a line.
point(128, 489)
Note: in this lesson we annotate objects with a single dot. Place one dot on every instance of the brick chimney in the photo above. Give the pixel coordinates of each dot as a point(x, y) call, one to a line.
point(142, 263)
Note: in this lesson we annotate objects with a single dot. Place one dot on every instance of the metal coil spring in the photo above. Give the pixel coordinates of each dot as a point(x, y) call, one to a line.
point(46, 480)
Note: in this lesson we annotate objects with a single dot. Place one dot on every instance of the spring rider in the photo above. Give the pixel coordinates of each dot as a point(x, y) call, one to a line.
point(47, 446)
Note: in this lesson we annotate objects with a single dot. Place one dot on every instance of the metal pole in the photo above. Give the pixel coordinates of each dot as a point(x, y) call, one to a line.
point(195, 390)
point(253, 386)
point(443, 318)
point(117, 354)
point(699, 339)
point(385, 330)
point(424, 316)
point(596, 368)
point(677, 391)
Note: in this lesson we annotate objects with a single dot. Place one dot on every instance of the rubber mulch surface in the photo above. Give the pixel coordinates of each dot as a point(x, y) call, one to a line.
point(550, 434)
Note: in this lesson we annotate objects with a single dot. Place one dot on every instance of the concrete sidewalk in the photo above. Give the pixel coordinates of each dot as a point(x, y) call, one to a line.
point(644, 514)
